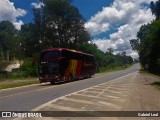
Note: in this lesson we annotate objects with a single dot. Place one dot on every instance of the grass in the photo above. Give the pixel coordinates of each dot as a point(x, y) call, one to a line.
point(111, 69)
point(142, 70)
point(11, 83)
point(156, 84)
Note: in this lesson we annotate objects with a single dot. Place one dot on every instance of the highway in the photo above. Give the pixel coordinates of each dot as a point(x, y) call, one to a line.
point(30, 97)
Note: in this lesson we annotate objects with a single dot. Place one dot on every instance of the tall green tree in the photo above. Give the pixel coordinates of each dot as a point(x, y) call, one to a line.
point(28, 39)
point(148, 42)
point(60, 25)
point(149, 51)
point(57, 23)
point(135, 44)
point(110, 50)
point(155, 8)
point(8, 40)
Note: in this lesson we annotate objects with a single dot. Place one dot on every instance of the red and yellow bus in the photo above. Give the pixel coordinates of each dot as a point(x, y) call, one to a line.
point(62, 64)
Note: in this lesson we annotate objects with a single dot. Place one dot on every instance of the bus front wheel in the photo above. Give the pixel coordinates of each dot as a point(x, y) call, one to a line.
point(52, 82)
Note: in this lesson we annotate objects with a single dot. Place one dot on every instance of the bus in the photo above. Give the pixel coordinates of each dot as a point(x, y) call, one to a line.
point(62, 65)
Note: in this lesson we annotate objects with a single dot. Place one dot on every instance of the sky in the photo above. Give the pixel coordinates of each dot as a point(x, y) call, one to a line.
point(111, 23)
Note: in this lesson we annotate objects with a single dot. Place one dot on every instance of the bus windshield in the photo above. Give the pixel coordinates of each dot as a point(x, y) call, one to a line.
point(49, 55)
point(48, 67)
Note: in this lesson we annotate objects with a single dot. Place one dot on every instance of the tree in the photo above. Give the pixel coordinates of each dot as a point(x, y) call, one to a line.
point(57, 23)
point(8, 41)
point(135, 44)
point(155, 8)
point(29, 40)
point(60, 25)
point(106, 60)
point(148, 42)
point(110, 50)
point(149, 51)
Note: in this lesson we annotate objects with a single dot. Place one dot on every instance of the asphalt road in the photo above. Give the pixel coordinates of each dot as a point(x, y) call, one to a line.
point(27, 98)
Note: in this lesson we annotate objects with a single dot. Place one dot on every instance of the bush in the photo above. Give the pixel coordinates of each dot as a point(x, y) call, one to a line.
point(27, 69)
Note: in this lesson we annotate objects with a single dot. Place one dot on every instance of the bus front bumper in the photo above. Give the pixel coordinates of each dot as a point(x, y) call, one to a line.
point(49, 78)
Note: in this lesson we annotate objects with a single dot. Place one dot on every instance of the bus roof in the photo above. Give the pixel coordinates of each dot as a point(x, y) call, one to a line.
point(61, 49)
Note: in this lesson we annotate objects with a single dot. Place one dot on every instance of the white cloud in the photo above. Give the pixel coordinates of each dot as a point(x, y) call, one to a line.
point(18, 24)
point(118, 46)
point(133, 54)
point(37, 5)
point(10, 13)
point(99, 27)
point(124, 15)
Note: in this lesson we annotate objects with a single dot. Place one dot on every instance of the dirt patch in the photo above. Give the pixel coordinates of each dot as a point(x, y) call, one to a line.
point(13, 65)
point(144, 96)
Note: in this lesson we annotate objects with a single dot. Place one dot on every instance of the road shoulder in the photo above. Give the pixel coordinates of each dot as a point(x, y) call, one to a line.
point(145, 93)
point(133, 92)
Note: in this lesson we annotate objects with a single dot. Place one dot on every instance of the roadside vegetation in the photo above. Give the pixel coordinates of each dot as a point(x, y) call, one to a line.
point(11, 83)
point(156, 83)
point(57, 23)
point(148, 43)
